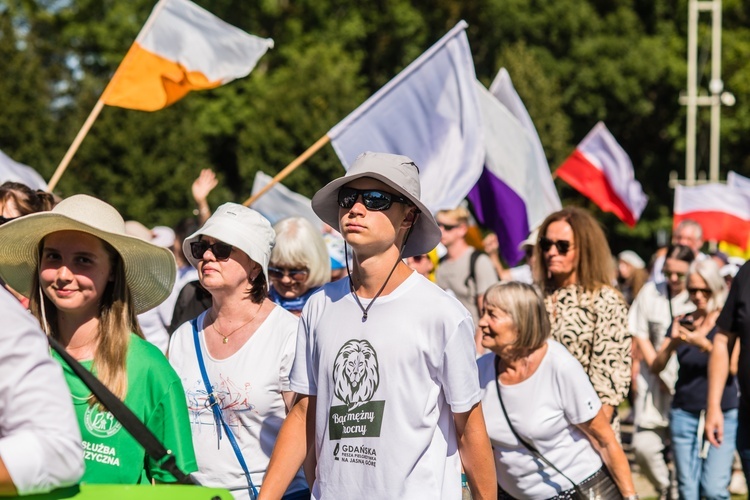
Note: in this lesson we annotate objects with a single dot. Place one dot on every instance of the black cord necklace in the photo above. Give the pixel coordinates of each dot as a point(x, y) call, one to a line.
point(356, 298)
point(351, 280)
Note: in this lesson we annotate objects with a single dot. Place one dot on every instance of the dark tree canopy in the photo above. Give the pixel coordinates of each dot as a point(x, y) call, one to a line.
point(574, 62)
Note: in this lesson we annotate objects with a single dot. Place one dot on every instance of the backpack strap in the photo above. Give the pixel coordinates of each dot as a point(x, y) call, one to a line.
point(475, 254)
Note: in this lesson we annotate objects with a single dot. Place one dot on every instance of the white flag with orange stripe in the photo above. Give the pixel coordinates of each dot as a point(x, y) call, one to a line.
point(182, 47)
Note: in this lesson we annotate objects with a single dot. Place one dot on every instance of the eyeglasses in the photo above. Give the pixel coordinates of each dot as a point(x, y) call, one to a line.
point(705, 291)
point(563, 246)
point(447, 227)
point(669, 274)
point(3, 220)
point(298, 275)
point(372, 199)
point(221, 251)
point(419, 258)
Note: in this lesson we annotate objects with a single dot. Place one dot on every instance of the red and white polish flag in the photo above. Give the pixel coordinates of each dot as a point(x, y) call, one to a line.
point(602, 171)
point(722, 211)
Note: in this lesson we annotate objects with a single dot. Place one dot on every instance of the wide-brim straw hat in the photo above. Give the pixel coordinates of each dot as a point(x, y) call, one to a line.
point(149, 270)
point(402, 176)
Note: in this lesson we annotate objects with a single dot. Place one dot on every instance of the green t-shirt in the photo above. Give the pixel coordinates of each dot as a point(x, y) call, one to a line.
point(156, 396)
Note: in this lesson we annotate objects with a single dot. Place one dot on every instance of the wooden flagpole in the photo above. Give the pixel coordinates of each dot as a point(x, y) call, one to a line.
point(76, 144)
point(99, 104)
point(289, 169)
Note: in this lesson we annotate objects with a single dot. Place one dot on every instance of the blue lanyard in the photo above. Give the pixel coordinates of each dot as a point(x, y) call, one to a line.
point(218, 416)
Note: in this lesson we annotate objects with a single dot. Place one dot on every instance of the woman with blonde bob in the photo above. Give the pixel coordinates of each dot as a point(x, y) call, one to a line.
point(703, 471)
point(588, 316)
point(299, 264)
point(87, 280)
point(547, 445)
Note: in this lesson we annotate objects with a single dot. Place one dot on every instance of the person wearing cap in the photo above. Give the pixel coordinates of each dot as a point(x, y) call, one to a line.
point(388, 394)
point(631, 274)
point(299, 263)
point(87, 280)
point(246, 344)
point(522, 273)
point(154, 322)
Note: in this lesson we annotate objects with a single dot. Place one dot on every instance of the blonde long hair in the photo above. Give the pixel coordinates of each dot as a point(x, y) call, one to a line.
point(117, 319)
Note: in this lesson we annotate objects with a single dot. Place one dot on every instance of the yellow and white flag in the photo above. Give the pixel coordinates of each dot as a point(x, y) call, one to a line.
point(182, 47)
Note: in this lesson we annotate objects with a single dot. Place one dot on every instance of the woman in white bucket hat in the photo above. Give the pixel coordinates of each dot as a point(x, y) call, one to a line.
point(86, 281)
point(234, 359)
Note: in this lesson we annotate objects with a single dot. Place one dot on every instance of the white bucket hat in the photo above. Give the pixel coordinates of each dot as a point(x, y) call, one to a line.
point(400, 174)
point(241, 227)
point(631, 258)
point(530, 240)
point(149, 270)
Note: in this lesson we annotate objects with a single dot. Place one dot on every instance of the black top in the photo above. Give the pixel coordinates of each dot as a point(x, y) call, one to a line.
point(735, 318)
point(191, 302)
point(691, 389)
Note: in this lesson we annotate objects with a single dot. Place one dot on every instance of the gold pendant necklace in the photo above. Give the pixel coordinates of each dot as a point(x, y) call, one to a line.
point(226, 337)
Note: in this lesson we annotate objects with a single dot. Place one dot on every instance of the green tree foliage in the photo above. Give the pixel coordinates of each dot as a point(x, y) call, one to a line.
point(574, 62)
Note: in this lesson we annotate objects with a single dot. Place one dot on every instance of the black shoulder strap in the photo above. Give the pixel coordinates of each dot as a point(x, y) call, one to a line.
point(475, 254)
point(126, 417)
point(521, 440)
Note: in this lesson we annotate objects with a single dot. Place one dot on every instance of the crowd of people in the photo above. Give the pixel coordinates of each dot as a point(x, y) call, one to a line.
point(381, 355)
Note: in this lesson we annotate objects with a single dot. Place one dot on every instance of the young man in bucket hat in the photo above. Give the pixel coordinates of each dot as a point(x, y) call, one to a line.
point(385, 367)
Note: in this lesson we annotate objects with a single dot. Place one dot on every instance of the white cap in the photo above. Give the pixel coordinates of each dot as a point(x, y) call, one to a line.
point(632, 258)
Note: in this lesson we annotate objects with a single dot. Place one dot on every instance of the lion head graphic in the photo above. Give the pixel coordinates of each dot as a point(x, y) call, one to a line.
point(355, 373)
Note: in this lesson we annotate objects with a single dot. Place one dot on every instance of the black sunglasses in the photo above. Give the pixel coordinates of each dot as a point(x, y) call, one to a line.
point(705, 291)
point(562, 245)
point(447, 227)
point(278, 273)
point(221, 251)
point(373, 199)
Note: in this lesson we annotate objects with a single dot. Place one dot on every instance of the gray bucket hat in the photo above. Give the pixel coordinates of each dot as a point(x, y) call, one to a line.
point(400, 174)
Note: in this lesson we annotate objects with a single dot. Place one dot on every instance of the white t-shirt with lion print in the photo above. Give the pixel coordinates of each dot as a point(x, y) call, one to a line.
point(386, 390)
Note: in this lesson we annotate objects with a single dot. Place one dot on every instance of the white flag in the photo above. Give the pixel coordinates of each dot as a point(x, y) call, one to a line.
point(738, 181)
point(430, 113)
point(11, 170)
point(280, 202)
point(546, 199)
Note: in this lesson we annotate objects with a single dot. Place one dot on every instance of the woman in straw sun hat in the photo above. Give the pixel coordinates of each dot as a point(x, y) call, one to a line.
point(86, 281)
point(239, 351)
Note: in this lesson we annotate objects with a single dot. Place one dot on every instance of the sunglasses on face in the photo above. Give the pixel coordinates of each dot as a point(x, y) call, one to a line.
point(298, 275)
point(221, 251)
point(669, 274)
point(372, 199)
point(420, 258)
point(563, 246)
point(447, 227)
point(705, 291)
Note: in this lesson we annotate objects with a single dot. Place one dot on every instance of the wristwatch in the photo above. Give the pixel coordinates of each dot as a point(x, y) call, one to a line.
point(631, 497)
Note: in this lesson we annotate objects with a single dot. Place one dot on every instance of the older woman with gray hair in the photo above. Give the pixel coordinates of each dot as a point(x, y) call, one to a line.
point(702, 471)
point(299, 265)
point(558, 443)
